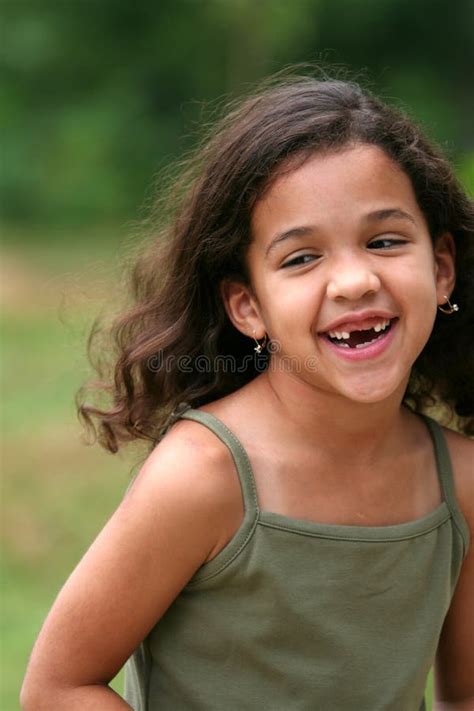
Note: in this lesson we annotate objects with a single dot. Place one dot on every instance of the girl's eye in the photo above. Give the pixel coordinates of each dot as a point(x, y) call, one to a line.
point(299, 260)
point(386, 243)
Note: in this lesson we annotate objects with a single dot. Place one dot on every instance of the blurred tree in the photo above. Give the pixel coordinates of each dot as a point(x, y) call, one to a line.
point(98, 94)
point(418, 51)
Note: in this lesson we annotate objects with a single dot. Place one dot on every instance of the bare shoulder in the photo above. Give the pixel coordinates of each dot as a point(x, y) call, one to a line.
point(191, 454)
point(193, 470)
point(455, 656)
point(461, 450)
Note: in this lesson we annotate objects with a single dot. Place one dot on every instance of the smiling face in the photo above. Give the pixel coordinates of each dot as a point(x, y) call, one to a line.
point(344, 276)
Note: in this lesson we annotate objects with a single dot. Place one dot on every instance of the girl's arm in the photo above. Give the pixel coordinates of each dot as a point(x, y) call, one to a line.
point(455, 658)
point(182, 508)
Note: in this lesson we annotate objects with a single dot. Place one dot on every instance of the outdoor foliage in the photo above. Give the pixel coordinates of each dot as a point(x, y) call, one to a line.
point(99, 94)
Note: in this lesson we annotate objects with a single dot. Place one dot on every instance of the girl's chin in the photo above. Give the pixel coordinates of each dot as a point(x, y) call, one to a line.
point(372, 392)
point(376, 384)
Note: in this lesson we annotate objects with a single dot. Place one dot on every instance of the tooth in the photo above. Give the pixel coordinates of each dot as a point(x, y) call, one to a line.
point(381, 326)
point(345, 335)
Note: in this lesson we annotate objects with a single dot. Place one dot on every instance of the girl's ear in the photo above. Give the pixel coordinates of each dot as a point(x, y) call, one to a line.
point(445, 273)
point(242, 308)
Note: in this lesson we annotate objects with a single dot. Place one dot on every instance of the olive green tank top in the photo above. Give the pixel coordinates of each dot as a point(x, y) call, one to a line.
point(294, 615)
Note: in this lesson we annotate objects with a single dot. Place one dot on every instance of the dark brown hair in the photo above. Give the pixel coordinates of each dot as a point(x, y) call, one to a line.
point(178, 319)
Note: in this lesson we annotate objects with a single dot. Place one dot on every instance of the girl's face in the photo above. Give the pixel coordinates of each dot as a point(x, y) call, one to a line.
point(345, 279)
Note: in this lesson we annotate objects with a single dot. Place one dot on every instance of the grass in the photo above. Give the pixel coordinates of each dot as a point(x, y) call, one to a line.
point(57, 493)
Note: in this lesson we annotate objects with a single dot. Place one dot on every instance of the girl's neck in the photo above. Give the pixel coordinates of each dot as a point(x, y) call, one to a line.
point(324, 418)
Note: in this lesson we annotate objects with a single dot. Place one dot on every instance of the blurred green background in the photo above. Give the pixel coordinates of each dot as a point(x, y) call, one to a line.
point(97, 96)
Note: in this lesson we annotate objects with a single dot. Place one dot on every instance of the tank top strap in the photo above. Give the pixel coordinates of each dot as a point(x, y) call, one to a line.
point(445, 475)
point(239, 455)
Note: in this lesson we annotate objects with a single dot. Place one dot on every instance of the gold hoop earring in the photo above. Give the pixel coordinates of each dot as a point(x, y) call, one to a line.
point(260, 346)
point(450, 308)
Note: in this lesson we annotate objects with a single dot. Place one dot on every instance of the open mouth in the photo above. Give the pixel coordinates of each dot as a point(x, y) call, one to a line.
point(360, 337)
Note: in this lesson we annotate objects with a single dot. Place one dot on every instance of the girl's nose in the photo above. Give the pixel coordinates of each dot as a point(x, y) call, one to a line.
point(352, 281)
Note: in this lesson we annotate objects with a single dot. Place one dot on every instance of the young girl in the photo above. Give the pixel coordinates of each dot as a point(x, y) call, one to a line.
point(299, 537)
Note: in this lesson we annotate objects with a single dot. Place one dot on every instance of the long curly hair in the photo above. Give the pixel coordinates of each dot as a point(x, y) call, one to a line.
point(177, 319)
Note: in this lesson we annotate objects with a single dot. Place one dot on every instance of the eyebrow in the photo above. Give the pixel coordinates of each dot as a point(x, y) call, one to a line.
point(305, 230)
point(387, 214)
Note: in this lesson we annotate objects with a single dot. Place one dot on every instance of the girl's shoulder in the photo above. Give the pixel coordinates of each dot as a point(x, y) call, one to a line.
point(192, 466)
point(455, 655)
point(461, 450)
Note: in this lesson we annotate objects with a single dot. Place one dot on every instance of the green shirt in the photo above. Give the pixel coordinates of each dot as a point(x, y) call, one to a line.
point(294, 615)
